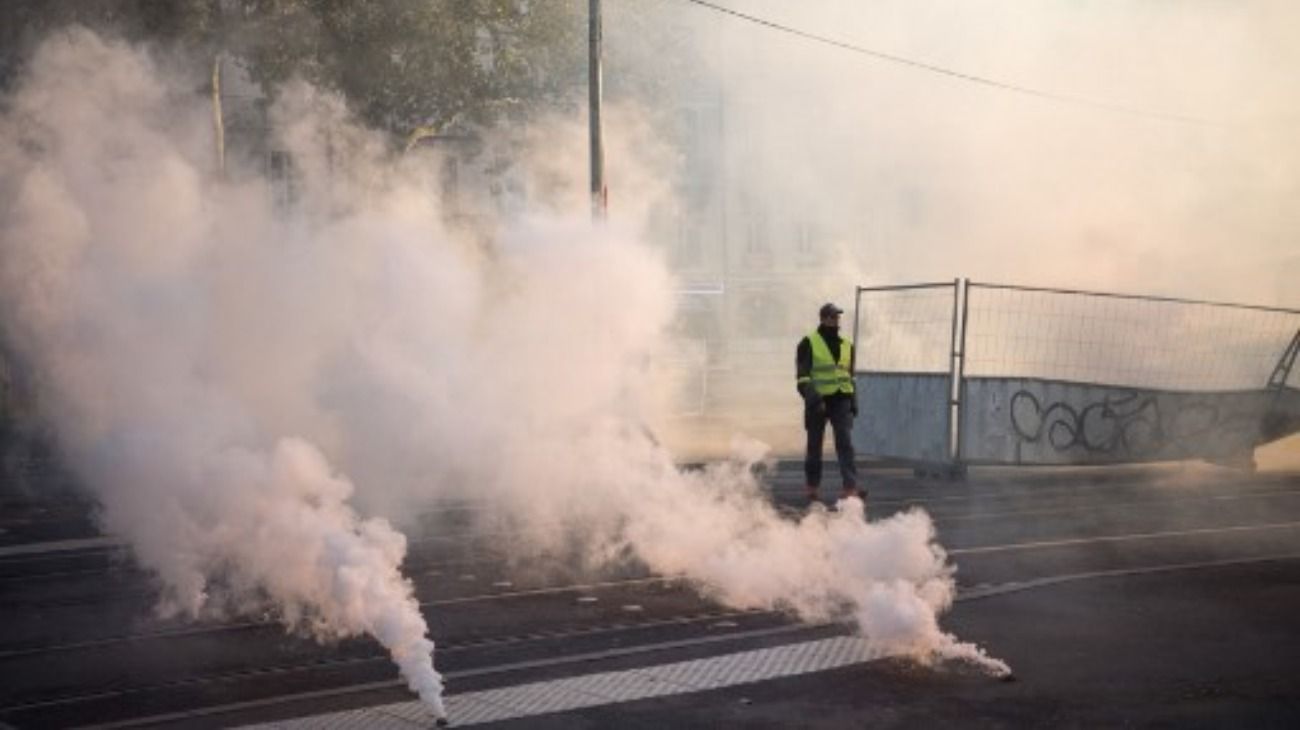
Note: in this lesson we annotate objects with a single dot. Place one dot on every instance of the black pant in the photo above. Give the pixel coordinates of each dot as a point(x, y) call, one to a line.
point(838, 410)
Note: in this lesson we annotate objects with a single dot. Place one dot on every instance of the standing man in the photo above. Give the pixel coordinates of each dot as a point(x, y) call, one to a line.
point(824, 377)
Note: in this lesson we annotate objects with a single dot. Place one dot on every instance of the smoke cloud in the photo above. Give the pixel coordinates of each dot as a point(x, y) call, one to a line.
point(258, 395)
point(1171, 174)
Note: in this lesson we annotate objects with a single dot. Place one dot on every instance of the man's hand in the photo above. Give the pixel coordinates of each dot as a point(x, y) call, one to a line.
point(814, 401)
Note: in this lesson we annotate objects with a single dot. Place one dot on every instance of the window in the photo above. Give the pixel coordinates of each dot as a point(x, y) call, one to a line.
point(805, 237)
point(689, 244)
point(756, 234)
point(280, 171)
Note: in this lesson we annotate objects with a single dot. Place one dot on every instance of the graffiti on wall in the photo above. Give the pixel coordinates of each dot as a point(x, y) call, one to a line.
point(1018, 420)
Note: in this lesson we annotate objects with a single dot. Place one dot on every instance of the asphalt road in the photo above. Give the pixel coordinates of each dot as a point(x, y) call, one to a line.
point(1162, 596)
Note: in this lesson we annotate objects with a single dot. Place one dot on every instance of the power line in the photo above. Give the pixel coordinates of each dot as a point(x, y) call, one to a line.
point(952, 73)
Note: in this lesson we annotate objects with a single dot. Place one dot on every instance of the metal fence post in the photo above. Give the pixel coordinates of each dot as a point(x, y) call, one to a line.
point(853, 356)
point(1282, 370)
point(961, 368)
point(952, 374)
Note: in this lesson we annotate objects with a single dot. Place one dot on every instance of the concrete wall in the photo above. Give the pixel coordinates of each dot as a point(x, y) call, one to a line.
point(902, 416)
point(1033, 421)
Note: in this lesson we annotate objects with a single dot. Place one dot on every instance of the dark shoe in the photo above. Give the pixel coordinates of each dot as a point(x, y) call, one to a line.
point(811, 496)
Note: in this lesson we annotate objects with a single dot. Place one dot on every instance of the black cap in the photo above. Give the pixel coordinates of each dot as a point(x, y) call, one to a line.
point(828, 309)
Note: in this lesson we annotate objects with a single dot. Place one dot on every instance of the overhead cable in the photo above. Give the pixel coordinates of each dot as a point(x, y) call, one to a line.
point(952, 73)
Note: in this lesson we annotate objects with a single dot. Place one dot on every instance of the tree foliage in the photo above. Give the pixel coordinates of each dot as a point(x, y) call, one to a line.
point(401, 64)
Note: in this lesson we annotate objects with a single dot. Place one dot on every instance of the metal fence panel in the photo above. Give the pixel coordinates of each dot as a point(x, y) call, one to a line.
point(903, 416)
point(1049, 376)
point(907, 329)
point(904, 371)
point(1072, 377)
point(1122, 340)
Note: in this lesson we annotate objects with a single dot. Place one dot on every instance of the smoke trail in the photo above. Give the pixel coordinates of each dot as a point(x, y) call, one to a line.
point(215, 368)
point(718, 530)
point(120, 277)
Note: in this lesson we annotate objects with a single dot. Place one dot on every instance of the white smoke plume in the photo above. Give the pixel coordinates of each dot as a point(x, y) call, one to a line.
point(126, 276)
point(241, 386)
point(890, 578)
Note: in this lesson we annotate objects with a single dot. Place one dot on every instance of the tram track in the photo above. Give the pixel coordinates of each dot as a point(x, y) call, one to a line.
point(169, 673)
point(455, 656)
point(391, 687)
point(580, 589)
point(438, 574)
point(420, 558)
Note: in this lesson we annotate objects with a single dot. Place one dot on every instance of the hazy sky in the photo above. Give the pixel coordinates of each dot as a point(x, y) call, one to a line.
point(928, 176)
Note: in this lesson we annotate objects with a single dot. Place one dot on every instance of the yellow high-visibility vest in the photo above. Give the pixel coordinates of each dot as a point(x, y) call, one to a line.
point(829, 377)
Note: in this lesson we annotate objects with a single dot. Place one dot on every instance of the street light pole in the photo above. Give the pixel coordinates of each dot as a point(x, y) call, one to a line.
point(599, 195)
point(218, 117)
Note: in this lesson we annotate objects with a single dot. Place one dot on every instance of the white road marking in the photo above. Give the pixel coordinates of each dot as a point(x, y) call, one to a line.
point(603, 688)
point(60, 546)
point(1074, 509)
point(1121, 538)
point(217, 710)
point(550, 591)
point(1256, 495)
point(1002, 589)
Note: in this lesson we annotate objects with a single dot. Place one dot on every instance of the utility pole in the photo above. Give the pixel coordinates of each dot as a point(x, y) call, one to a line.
point(599, 194)
point(218, 113)
point(218, 118)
